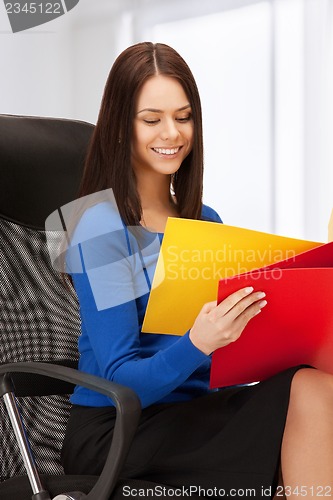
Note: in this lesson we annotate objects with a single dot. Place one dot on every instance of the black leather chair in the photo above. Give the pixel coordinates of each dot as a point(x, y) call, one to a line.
point(41, 162)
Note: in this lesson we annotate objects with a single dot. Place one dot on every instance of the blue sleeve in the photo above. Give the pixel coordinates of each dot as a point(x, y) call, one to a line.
point(209, 214)
point(108, 284)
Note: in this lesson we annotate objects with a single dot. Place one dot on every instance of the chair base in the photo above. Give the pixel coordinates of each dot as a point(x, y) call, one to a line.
point(19, 487)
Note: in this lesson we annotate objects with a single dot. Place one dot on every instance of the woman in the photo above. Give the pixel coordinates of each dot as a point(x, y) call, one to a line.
point(146, 158)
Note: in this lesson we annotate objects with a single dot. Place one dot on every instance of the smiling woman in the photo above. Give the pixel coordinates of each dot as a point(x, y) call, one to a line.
point(147, 150)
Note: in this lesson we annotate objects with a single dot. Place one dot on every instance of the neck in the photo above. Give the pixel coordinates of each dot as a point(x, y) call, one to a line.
point(154, 191)
point(156, 201)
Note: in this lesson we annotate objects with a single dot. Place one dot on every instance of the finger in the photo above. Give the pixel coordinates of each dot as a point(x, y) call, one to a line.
point(250, 312)
point(245, 303)
point(229, 303)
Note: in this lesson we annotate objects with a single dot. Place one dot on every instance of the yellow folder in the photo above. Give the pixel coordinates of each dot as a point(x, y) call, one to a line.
point(194, 255)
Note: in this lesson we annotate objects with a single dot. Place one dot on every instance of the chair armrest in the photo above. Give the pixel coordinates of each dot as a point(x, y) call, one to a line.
point(128, 413)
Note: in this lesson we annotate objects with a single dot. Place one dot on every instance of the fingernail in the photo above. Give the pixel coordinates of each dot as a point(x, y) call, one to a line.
point(249, 289)
point(262, 303)
point(261, 295)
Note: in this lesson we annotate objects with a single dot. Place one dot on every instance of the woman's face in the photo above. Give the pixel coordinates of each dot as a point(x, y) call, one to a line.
point(163, 126)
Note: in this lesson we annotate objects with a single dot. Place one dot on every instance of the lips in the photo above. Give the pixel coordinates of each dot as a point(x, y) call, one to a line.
point(167, 151)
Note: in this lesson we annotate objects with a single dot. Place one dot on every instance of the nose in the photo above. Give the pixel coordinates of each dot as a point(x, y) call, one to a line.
point(170, 130)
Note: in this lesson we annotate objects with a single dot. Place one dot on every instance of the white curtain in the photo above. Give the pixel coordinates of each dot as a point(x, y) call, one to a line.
point(318, 130)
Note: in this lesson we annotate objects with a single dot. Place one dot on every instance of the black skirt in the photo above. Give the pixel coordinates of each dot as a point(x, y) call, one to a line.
point(228, 440)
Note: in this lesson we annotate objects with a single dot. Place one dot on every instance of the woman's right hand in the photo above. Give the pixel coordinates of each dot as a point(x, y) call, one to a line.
point(219, 325)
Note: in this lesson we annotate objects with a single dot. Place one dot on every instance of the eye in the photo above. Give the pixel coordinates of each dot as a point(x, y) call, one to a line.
point(184, 119)
point(151, 122)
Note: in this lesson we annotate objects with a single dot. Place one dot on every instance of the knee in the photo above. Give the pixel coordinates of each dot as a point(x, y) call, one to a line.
point(311, 392)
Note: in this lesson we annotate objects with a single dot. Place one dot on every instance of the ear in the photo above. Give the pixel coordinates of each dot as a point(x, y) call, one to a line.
point(330, 228)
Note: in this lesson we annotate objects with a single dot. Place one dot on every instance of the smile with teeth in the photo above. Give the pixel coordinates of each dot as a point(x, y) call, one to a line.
point(166, 151)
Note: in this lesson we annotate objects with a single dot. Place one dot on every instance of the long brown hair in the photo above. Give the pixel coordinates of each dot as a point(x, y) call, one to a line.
point(108, 162)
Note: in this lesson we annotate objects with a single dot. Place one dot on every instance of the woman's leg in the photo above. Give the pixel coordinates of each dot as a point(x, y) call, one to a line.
point(307, 447)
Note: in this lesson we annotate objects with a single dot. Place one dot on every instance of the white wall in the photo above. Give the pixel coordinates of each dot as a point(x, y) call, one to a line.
point(35, 66)
point(289, 102)
point(318, 116)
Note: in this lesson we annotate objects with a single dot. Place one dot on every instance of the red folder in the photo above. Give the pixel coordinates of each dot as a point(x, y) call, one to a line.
point(295, 327)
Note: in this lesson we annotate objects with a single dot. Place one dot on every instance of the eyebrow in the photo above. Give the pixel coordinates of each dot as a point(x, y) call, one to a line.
point(153, 110)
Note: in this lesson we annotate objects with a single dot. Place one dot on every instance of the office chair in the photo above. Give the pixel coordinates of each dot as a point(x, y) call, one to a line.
point(41, 161)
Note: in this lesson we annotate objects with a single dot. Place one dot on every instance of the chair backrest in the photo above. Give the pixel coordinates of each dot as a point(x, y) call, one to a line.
point(41, 162)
